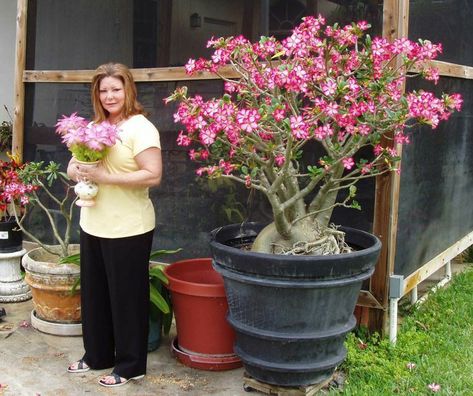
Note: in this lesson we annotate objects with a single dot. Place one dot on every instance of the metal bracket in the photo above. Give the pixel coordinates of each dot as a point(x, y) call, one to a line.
point(396, 286)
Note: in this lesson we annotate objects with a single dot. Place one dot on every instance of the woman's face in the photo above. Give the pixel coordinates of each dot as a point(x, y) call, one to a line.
point(112, 95)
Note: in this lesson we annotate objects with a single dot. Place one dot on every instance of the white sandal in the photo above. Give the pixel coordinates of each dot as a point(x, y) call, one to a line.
point(80, 368)
point(119, 381)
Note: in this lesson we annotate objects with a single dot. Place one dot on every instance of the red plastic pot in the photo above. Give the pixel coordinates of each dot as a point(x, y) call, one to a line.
point(204, 337)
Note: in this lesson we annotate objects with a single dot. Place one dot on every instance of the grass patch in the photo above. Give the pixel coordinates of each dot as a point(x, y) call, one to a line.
point(434, 346)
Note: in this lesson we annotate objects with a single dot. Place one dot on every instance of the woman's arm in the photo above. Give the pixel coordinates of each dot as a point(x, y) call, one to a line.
point(149, 173)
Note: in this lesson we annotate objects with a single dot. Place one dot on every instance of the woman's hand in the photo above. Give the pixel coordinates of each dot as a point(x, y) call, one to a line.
point(97, 174)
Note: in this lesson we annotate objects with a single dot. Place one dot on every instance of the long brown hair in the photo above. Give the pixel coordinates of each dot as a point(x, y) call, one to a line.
point(120, 71)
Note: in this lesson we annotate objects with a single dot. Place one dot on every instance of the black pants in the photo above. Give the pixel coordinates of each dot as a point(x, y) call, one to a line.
point(115, 302)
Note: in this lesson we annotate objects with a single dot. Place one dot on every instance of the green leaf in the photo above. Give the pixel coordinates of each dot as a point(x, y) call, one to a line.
point(278, 54)
point(72, 259)
point(355, 205)
point(162, 252)
point(352, 191)
point(157, 273)
point(314, 171)
point(157, 299)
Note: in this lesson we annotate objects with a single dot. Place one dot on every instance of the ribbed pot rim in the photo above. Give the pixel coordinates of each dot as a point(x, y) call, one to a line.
point(33, 265)
point(178, 282)
point(253, 225)
point(286, 266)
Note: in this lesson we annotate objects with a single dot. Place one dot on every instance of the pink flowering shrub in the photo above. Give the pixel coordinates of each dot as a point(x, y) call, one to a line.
point(14, 192)
point(329, 84)
point(86, 140)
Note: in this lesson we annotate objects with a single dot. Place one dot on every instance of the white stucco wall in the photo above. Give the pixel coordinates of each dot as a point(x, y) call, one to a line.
point(7, 55)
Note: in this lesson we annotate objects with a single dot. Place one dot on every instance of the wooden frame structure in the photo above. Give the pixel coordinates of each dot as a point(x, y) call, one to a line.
point(374, 302)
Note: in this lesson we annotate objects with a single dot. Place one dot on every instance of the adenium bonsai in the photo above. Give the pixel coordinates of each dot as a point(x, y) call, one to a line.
point(329, 84)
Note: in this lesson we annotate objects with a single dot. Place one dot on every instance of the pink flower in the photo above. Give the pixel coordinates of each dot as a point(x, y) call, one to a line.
point(226, 167)
point(300, 130)
point(248, 181)
point(432, 74)
point(200, 171)
point(348, 163)
point(248, 119)
point(364, 129)
point(183, 140)
point(68, 123)
point(190, 66)
point(204, 154)
point(363, 25)
point(411, 366)
point(434, 387)
point(25, 324)
point(193, 154)
point(329, 88)
point(323, 132)
point(230, 87)
point(207, 136)
point(279, 114)
point(366, 169)
point(279, 160)
point(331, 109)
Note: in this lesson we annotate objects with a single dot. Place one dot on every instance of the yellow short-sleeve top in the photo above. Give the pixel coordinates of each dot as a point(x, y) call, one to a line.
point(122, 211)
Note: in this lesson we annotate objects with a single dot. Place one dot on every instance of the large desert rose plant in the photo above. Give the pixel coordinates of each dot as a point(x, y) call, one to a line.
point(329, 84)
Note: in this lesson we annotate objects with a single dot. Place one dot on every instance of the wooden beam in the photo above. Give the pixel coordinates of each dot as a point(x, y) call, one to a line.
point(395, 25)
point(140, 75)
point(448, 69)
point(436, 263)
point(19, 86)
point(366, 299)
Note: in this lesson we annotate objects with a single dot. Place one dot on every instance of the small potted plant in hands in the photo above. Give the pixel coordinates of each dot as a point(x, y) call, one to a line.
point(332, 86)
point(88, 143)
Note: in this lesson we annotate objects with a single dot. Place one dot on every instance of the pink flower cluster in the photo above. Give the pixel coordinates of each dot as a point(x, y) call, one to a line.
point(330, 84)
point(87, 140)
point(12, 189)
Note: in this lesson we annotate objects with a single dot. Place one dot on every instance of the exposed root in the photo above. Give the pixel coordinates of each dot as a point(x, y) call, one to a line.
point(327, 240)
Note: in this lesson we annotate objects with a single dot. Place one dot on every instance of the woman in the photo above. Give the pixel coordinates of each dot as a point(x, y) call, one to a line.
point(117, 233)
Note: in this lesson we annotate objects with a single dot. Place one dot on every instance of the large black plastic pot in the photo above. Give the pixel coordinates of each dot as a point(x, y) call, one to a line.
point(291, 314)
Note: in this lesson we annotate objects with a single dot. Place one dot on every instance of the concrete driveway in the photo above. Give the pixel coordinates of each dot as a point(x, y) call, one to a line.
point(34, 363)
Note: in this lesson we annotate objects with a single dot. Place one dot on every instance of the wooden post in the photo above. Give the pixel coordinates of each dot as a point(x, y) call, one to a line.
point(395, 25)
point(20, 62)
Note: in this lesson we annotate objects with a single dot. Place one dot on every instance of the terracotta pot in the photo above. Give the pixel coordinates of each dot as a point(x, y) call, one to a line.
point(51, 286)
point(204, 337)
